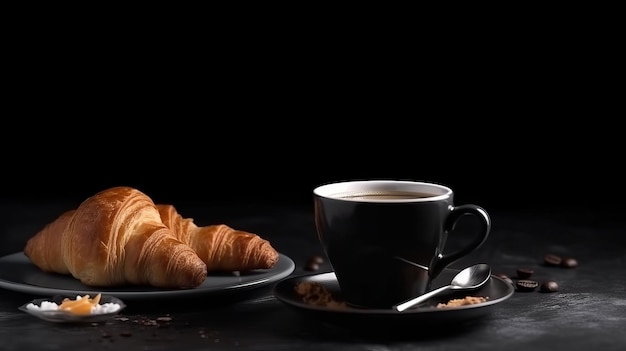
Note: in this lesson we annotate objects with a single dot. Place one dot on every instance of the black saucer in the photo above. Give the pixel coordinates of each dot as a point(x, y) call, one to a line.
point(425, 315)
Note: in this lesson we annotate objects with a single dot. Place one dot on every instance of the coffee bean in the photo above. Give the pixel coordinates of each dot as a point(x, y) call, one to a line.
point(314, 263)
point(552, 260)
point(524, 273)
point(526, 285)
point(549, 286)
point(312, 266)
point(569, 262)
point(317, 259)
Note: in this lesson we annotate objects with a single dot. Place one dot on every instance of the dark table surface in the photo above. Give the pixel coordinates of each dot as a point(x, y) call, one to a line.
point(588, 311)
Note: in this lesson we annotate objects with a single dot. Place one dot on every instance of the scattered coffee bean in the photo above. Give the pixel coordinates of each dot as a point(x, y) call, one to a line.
point(569, 262)
point(549, 286)
point(314, 263)
point(552, 260)
point(505, 278)
point(524, 273)
point(312, 266)
point(317, 259)
point(526, 285)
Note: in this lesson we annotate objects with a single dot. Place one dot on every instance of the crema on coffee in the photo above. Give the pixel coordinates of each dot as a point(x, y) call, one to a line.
point(387, 195)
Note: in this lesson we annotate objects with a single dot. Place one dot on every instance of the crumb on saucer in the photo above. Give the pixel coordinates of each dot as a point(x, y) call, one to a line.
point(315, 294)
point(467, 300)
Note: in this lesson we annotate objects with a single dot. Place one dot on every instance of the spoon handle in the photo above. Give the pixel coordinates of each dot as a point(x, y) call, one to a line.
point(412, 302)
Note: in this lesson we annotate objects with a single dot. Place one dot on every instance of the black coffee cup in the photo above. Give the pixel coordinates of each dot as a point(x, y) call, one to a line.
point(385, 239)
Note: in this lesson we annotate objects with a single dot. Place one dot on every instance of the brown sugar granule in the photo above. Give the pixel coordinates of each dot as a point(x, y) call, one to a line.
point(467, 300)
point(316, 294)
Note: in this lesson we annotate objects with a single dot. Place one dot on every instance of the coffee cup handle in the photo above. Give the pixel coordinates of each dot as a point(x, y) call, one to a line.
point(442, 260)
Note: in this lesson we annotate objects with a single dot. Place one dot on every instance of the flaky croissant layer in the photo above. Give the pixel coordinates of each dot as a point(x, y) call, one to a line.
point(120, 237)
point(221, 247)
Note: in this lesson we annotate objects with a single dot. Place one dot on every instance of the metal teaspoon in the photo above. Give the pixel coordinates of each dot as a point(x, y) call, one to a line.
point(471, 277)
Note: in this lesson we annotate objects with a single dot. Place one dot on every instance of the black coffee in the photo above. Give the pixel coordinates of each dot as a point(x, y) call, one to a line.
point(386, 196)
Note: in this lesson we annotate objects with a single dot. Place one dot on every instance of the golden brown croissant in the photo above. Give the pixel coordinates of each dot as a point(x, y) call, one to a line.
point(116, 237)
point(221, 247)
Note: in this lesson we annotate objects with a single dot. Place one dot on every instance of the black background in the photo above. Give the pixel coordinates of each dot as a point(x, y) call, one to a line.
point(202, 162)
point(522, 117)
point(528, 122)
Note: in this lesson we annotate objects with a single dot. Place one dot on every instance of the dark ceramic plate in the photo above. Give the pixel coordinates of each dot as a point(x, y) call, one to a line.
point(17, 273)
point(426, 314)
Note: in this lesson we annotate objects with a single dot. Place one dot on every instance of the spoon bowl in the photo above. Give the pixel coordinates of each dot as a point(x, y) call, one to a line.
point(472, 277)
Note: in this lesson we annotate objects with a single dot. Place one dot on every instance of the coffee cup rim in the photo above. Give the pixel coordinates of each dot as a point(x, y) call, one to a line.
point(335, 190)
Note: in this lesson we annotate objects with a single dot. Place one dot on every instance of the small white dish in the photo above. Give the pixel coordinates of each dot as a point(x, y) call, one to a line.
point(62, 316)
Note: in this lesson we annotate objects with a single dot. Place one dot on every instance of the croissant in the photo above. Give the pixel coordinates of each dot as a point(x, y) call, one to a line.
point(221, 247)
point(116, 237)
